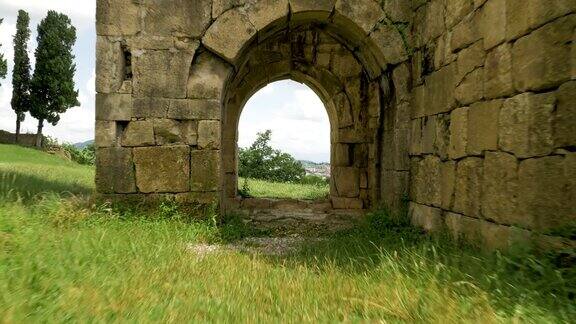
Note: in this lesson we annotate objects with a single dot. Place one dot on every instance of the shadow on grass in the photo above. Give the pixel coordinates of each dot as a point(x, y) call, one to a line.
point(17, 185)
point(383, 245)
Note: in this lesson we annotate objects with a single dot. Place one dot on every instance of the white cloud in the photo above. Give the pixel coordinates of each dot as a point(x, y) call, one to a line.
point(81, 12)
point(296, 116)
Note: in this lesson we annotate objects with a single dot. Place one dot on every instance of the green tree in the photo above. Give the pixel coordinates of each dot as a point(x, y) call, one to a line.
point(21, 72)
point(261, 161)
point(3, 63)
point(52, 86)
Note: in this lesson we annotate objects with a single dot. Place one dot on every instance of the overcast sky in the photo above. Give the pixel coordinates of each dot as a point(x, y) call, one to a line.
point(292, 111)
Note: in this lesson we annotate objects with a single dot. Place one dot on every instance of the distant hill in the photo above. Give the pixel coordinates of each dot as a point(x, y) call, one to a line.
point(82, 145)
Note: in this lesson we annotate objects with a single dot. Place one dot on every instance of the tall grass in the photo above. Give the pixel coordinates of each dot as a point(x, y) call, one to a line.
point(267, 189)
point(63, 259)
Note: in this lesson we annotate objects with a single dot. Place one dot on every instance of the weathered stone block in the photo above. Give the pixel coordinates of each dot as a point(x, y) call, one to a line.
point(364, 14)
point(456, 10)
point(565, 117)
point(541, 59)
point(525, 125)
point(113, 107)
point(117, 17)
point(458, 133)
point(228, 34)
point(483, 127)
point(440, 87)
point(447, 183)
point(303, 6)
point(105, 133)
point(167, 131)
point(181, 18)
point(543, 198)
point(262, 13)
point(524, 16)
point(208, 77)
point(347, 203)
point(162, 169)
point(433, 24)
point(466, 32)
point(189, 130)
point(498, 237)
point(398, 10)
point(498, 80)
point(109, 64)
point(390, 45)
point(162, 73)
point(426, 217)
point(342, 155)
point(425, 178)
point(195, 109)
point(493, 24)
point(470, 58)
point(205, 170)
point(139, 133)
point(220, 6)
point(500, 189)
point(344, 65)
point(468, 187)
point(114, 170)
point(347, 181)
point(471, 89)
point(209, 134)
point(465, 228)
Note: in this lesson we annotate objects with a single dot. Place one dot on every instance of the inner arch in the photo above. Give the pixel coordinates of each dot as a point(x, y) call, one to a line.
point(295, 114)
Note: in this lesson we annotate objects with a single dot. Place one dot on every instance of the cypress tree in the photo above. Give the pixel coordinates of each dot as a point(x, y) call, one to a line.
point(3, 63)
point(21, 73)
point(52, 86)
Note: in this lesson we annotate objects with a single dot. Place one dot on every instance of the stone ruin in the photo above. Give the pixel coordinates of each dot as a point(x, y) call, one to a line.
point(465, 108)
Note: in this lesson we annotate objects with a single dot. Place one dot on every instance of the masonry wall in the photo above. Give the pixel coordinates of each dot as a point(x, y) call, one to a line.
point(473, 122)
point(493, 126)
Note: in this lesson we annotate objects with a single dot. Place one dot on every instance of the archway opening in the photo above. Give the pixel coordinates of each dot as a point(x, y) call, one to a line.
point(284, 144)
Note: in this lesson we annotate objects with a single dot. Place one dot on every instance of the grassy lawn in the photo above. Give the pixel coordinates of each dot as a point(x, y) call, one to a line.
point(265, 189)
point(63, 259)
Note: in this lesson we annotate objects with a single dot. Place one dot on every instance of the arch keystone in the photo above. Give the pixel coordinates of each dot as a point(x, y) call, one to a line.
point(228, 35)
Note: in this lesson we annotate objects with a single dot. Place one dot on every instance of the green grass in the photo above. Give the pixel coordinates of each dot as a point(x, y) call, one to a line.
point(26, 172)
point(63, 259)
point(266, 189)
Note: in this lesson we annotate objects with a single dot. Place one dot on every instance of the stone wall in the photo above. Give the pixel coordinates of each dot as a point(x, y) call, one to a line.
point(493, 123)
point(463, 107)
point(23, 139)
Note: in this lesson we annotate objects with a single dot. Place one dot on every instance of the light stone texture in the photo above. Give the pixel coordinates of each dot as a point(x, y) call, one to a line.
point(114, 170)
point(500, 189)
point(498, 72)
point(525, 125)
point(565, 117)
point(483, 127)
point(458, 133)
point(205, 172)
point(114, 107)
point(542, 58)
point(181, 18)
point(162, 169)
point(426, 217)
point(162, 73)
point(209, 134)
point(138, 133)
point(228, 34)
point(469, 173)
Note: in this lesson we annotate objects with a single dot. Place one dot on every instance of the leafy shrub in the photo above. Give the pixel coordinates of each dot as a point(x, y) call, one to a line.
point(86, 155)
point(261, 161)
